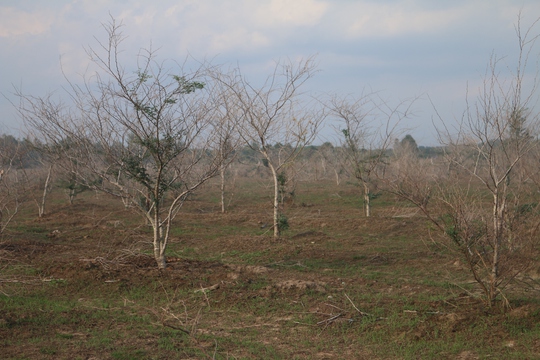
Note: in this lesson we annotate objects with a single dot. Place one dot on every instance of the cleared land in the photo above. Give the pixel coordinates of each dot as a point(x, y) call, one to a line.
point(80, 284)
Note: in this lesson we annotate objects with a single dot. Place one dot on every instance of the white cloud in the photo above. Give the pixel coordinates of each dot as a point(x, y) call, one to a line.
point(407, 46)
point(208, 28)
point(367, 20)
point(15, 22)
point(292, 13)
point(74, 60)
point(238, 38)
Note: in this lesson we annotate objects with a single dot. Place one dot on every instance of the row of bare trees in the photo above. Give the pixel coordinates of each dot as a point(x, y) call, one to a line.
point(152, 136)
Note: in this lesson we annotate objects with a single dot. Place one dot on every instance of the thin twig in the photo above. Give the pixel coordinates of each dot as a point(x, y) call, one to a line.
point(335, 307)
point(329, 320)
point(177, 328)
point(361, 312)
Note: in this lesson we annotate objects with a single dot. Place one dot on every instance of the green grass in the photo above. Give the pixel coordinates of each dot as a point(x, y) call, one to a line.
point(129, 354)
point(415, 303)
point(32, 229)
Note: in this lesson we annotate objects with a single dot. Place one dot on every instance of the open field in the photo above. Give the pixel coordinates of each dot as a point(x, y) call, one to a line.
point(80, 284)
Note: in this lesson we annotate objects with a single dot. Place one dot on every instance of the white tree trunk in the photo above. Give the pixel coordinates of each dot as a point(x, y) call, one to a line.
point(277, 231)
point(367, 200)
point(159, 243)
point(499, 205)
point(222, 188)
point(46, 188)
point(159, 248)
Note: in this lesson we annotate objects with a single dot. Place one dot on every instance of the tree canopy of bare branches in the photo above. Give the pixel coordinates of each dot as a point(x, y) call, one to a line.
point(143, 135)
point(276, 119)
point(483, 196)
point(367, 127)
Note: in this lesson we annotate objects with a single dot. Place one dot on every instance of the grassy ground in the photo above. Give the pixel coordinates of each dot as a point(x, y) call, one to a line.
point(80, 284)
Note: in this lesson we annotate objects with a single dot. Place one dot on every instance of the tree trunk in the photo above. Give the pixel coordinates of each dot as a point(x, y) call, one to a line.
point(45, 192)
point(499, 205)
point(159, 251)
point(277, 231)
point(222, 188)
point(367, 203)
point(159, 248)
point(71, 196)
point(161, 260)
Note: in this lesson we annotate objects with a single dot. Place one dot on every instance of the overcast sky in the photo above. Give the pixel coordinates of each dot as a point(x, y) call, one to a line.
point(402, 48)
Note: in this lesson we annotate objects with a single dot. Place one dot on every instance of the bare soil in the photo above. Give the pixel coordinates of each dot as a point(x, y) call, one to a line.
point(80, 283)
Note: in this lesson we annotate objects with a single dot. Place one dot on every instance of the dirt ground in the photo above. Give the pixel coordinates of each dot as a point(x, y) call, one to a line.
point(81, 283)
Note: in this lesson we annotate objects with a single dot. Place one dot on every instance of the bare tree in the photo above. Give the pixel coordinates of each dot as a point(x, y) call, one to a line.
point(273, 114)
point(486, 202)
point(141, 135)
point(327, 160)
point(225, 125)
point(13, 182)
point(47, 187)
point(496, 138)
point(367, 128)
point(40, 175)
point(9, 199)
point(70, 185)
